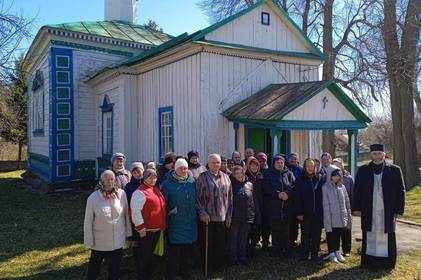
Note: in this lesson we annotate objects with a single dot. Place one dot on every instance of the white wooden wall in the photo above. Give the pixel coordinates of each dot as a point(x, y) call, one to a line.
point(114, 90)
point(199, 87)
point(85, 64)
point(248, 30)
point(313, 109)
point(39, 145)
point(299, 143)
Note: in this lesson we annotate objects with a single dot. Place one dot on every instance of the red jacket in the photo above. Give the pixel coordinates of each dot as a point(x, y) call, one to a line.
point(148, 208)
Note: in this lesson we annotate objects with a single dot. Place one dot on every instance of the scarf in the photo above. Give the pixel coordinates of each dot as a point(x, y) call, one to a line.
point(179, 178)
point(108, 194)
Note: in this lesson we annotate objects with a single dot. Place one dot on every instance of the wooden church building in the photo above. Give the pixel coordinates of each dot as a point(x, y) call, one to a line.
point(251, 80)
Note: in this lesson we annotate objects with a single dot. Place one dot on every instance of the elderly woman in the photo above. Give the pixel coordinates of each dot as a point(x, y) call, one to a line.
point(106, 226)
point(148, 216)
point(214, 202)
point(179, 190)
point(122, 175)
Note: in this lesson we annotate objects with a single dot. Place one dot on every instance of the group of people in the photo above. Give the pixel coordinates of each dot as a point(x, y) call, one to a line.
point(220, 213)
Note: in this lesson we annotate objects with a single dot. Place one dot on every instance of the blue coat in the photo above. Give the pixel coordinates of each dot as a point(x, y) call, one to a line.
point(180, 199)
point(309, 198)
point(275, 182)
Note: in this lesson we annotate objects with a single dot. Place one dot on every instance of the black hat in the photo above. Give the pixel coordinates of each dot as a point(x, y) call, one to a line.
point(223, 159)
point(192, 154)
point(377, 148)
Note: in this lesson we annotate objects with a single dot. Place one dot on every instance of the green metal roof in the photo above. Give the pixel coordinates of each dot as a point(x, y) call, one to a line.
point(115, 29)
point(271, 104)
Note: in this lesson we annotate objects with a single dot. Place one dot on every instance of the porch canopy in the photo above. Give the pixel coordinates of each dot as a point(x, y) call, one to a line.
point(317, 105)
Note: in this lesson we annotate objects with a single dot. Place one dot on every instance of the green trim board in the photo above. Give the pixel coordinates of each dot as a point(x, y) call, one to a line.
point(260, 50)
point(275, 101)
point(303, 125)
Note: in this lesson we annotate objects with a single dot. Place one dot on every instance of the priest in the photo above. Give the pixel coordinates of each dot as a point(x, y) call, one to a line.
point(379, 199)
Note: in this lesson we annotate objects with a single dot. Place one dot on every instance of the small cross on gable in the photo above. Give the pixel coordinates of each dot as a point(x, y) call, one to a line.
point(325, 100)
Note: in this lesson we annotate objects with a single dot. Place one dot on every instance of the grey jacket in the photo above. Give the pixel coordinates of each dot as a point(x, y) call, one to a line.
point(336, 206)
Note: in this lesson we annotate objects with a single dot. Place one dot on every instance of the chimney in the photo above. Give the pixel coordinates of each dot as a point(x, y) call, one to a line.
point(124, 10)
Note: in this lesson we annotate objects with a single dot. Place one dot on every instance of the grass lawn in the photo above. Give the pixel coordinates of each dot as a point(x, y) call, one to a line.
point(41, 238)
point(413, 205)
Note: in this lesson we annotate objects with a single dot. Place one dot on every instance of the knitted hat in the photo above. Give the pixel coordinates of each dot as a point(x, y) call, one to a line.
point(181, 162)
point(148, 173)
point(336, 172)
point(223, 159)
point(137, 164)
point(192, 154)
point(118, 156)
point(278, 157)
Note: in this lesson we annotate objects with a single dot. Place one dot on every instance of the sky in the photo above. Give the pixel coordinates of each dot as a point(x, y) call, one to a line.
point(174, 16)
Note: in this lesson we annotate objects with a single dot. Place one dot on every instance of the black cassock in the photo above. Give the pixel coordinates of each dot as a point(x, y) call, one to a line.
point(379, 193)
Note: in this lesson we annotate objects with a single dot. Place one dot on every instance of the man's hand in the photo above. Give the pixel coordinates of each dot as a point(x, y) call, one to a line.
point(397, 216)
point(228, 222)
point(142, 232)
point(284, 196)
point(356, 213)
point(300, 218)
point(205, 218)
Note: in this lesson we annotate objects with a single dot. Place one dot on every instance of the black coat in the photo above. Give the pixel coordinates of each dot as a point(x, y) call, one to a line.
point(275, 182)
point(243, 204)
point(257, 180)
point(309, 198)
point(393, 195)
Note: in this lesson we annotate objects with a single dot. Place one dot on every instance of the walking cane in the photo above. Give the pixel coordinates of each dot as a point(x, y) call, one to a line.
point(206, 249)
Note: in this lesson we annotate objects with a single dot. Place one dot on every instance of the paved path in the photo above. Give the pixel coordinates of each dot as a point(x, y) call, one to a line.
point(408, 236)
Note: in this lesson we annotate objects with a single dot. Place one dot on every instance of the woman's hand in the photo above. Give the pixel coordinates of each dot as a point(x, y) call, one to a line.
point(300, 218)
point(142, 232)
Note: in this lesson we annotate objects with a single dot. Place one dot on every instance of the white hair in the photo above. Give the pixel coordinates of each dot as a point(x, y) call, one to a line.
point(105, 173)
point(214, 156)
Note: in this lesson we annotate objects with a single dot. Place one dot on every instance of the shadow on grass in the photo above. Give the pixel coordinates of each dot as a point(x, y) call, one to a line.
point(37, 222)
point(355, 272)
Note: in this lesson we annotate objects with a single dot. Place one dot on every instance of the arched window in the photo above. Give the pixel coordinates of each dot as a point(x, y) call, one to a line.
point(107, 126)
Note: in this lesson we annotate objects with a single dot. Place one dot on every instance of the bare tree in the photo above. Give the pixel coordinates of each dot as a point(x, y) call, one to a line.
point(13, 29)
point(401, 65)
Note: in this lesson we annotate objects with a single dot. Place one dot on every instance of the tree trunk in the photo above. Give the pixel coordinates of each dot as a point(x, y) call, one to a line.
point(305, 15)
point(401, 71)
point(20, 145)
point(328, 144)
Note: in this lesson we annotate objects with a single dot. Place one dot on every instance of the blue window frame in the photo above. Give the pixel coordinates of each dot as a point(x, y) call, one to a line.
point(166, 131)
point(107, 126)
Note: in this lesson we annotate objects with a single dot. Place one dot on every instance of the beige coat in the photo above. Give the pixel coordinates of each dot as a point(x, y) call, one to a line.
point(107, 222)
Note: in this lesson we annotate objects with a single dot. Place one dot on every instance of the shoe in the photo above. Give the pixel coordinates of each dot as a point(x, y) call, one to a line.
point(332, 257)
point(347, 254)
point(340, 257)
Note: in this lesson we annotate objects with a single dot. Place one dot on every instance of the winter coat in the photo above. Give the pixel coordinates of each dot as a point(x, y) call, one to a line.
point(309, 198)
point(180, 199)
point(257, 181)
point(275, 182)
point(243, 210)
point(107, 221)
point(393, 195)
point(336, 206)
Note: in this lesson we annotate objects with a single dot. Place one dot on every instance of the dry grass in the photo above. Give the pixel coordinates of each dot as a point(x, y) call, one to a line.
point(413, 205)
point(9, 151)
